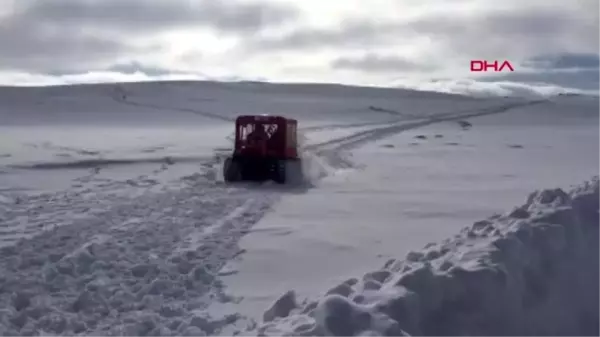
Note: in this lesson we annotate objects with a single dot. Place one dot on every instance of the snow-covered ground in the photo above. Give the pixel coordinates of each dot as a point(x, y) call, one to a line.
point(114, 218)
point(403, 192)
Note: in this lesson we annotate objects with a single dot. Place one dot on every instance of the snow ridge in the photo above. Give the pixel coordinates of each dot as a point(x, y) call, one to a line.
point(531, 271)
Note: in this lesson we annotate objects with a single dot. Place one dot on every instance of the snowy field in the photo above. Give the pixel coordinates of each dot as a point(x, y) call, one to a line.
point(114, 218)
point(404, 192)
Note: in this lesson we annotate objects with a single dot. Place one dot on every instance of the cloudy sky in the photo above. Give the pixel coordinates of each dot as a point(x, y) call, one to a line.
point(551, 44)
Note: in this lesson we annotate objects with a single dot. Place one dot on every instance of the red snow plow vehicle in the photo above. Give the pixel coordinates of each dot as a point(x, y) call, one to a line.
point(266, 148)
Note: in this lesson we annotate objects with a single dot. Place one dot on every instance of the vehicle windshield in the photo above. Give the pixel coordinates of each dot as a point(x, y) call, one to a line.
point(251, 128)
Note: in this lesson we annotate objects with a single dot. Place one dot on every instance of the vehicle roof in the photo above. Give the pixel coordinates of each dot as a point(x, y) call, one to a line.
point(264, 116)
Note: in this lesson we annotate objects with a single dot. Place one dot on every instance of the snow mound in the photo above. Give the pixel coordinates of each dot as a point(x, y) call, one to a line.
point(531, 271)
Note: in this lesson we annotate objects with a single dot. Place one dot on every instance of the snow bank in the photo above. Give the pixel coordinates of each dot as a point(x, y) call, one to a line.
point(531, 271)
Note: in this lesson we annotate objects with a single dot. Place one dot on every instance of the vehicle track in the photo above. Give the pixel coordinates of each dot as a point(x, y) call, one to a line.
point(331, 150)
point(129, 101)
point(147, 265)
point(158, 107)
point(347, 142)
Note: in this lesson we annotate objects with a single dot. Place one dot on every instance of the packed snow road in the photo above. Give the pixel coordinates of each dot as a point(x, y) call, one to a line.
point(112, 264)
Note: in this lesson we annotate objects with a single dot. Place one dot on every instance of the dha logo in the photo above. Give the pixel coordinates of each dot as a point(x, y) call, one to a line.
point(483, 65)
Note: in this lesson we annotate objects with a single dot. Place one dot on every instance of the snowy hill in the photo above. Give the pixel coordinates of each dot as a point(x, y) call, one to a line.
point(177, 102)
point(114, 218)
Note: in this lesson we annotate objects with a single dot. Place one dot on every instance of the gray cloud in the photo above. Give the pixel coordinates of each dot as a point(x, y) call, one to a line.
point(157, 15)
point(135, 67)
point(347, 34)
point(528, 32)
point(566, 69)
point(32, 47)
point(564, 61)
point(65, 36)
point(538, 22)
point(520, 31)
point(535, 34)
point(377, 63)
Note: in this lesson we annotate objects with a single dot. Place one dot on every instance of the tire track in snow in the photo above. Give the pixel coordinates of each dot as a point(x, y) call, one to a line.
point(347, 125)
point(125, 267)
point(232, 119)
point(375, 134)
point(331, 150)
point(124, 99)
point(195, 240)
point(127, 100)
point(107, 273)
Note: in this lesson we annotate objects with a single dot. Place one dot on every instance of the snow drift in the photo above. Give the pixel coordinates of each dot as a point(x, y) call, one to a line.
point(531, 271)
